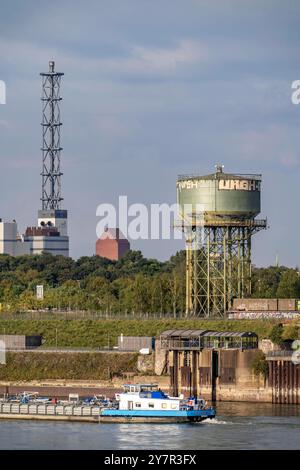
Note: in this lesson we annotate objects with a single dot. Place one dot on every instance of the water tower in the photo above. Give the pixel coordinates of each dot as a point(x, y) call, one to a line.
point(218, 216)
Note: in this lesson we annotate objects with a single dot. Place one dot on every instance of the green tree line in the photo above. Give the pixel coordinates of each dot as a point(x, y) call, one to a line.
point(133, 284)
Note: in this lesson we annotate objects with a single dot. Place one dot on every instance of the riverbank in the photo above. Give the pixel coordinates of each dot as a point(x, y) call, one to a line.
point(62, 388)
point(26, 366)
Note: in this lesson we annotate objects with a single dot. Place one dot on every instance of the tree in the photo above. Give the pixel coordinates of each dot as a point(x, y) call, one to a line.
point(100, 294)
point(276, 334)
point(265, 281)
point(289, 285)
point(141, 294)
point(259, 364)
point(132, 284)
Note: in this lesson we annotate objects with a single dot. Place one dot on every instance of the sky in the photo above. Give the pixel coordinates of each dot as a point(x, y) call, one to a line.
point(153, 89)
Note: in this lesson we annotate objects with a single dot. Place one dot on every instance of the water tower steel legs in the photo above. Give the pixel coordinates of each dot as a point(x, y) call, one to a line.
point(189, 277)
point(218, 269)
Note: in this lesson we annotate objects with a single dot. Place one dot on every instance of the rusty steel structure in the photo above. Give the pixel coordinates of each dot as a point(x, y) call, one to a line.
point(284, 377)
point(51, 148)
point(217, 216)
point(196, 340)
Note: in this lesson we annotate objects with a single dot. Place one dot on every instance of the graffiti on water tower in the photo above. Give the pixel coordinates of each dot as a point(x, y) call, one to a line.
point(241, 185)
point(224, 184)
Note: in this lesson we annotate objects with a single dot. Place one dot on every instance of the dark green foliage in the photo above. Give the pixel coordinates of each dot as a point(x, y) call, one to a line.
point(291, 332)
point(132, 285)
point(82, 366)
point(265, 282)
point(259, 364)
point(276, 334)
point(289, 285)
point(275, 282)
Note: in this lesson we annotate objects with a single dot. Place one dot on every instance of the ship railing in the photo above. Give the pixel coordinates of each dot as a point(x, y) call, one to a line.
point(255, 176)
point(49, 409)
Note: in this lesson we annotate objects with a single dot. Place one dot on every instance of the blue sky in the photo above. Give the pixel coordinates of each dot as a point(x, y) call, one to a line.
point(153, 89)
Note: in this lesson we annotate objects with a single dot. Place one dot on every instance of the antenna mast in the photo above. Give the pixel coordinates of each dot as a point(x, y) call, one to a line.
point(51, 174)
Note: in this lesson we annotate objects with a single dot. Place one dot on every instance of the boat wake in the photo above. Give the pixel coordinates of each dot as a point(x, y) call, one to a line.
point(214, 421)
point(221, 421)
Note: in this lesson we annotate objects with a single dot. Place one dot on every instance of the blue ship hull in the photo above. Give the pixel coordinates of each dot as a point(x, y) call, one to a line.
point(163, 416)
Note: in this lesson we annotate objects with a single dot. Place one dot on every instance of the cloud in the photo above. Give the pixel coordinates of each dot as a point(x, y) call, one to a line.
point(186, 52)
point(136, 60)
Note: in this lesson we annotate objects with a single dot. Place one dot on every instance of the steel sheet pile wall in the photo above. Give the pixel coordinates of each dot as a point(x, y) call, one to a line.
point(228, 367)
point(284, 379)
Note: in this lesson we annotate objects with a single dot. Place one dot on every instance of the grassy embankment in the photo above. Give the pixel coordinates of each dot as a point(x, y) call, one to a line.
point(96, 334)
point(86, 366)
point(104, 333)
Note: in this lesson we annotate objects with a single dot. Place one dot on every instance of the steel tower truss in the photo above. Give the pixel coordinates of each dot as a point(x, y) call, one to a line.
point(51, 174)
point(218, 266)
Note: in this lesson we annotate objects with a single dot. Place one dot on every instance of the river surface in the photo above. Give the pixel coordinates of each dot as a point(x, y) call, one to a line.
point(237, 426)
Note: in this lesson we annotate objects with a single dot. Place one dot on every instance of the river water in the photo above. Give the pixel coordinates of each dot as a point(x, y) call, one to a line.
point(237, 426)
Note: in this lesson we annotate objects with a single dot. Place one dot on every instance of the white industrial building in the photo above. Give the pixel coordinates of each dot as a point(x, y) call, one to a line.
point(11, 243)
point(51, 234)
point(47, 237)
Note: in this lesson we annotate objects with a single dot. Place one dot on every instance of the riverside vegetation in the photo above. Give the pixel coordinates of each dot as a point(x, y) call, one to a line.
point(71, 366)
point(103, 334)
point(132, 285)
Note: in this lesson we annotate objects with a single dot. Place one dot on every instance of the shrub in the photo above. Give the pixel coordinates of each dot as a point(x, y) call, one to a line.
point(291, 332)
point(259, 364)
point(276, 334)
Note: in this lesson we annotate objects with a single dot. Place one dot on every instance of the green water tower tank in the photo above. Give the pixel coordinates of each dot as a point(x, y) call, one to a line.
point(220, 196)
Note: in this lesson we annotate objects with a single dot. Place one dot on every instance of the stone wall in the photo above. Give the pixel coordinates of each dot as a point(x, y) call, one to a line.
point(161, 359)
point(145, 363)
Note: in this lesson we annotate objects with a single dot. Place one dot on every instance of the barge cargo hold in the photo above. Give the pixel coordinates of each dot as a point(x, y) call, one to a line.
point(32, 411)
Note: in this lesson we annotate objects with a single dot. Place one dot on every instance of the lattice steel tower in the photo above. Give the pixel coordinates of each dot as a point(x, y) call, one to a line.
point(51, 234)
point(217, 214)
point(51, 123)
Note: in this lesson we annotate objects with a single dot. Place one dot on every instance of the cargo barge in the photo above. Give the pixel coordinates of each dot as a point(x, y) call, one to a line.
point(50, 412)
point(140, 403)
